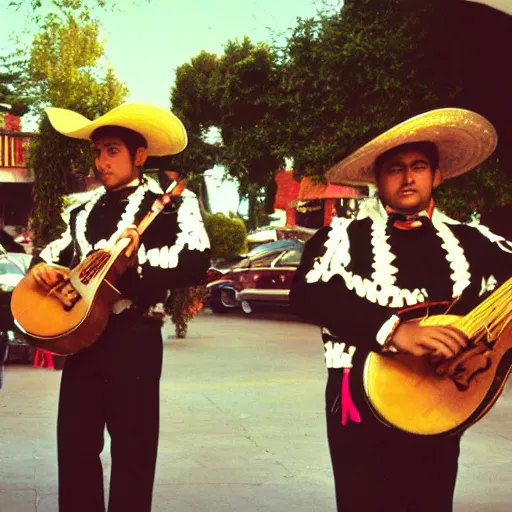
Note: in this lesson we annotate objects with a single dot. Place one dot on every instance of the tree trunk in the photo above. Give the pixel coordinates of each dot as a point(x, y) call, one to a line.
point(253, 204)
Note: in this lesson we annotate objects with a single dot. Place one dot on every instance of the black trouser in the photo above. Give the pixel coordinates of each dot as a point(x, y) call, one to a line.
point(377, 468)
point(115, 383)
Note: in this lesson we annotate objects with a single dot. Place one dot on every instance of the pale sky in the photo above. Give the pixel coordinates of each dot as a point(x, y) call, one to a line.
point(145, 43)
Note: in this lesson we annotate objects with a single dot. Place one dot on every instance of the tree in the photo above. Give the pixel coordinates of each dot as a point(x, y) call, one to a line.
point(63, 70)
point(191, 102)
point(9, 84)
point(236, 94)
point(245, 87)
point(38, 10)
point(350, 74)
point(353, 73)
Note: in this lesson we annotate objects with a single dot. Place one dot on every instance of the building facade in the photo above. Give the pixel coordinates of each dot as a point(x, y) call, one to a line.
point(16, 177)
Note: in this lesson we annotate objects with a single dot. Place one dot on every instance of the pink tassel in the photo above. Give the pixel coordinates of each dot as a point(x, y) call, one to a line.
point(348, 408)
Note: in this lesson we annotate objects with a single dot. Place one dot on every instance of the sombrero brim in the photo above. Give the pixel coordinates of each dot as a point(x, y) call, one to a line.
point(163, 131)
point(464, 140)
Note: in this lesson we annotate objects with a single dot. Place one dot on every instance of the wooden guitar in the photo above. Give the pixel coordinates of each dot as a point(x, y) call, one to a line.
point(72, 315)
point(412, 394)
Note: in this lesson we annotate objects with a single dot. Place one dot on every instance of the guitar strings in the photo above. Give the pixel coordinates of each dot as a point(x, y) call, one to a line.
point(492, 315)
point(93, 264)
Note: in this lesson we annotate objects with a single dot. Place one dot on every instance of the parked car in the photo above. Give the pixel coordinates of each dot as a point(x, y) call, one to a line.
point(261, 277)
point(13, 346)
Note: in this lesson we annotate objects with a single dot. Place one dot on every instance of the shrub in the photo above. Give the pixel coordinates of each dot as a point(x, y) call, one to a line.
point(228, 235)
point(228, 238)
point(182, 305)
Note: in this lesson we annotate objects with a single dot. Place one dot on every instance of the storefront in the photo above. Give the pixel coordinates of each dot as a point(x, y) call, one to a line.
point(310, 204)
point(16, 179)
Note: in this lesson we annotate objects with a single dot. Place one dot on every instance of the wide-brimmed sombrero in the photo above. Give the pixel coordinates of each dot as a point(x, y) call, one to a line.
point(163, 131)
point(464, 140)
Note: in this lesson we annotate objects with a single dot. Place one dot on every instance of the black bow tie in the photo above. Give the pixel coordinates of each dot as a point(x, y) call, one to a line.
point(408, 222)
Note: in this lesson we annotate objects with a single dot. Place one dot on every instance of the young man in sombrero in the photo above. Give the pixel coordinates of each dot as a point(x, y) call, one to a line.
point(365, 281)
point(115, 382)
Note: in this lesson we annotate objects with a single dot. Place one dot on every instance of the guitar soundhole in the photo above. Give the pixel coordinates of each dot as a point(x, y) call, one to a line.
point(67, 295)
point(73, 301)
point(465, 372)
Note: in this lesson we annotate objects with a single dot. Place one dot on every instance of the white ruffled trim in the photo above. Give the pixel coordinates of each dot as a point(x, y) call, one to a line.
point(500, 241)
point(337, 353)
point(384, 273)
point(386, 329)
point(381, 289)
point(51, 253)
point(192, 233)
point(127, 218)
point(454, 253)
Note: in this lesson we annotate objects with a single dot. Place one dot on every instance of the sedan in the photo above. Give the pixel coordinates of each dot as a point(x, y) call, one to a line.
point(262, 277)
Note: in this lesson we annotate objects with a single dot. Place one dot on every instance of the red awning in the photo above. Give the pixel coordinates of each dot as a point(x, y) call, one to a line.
point(310, 190)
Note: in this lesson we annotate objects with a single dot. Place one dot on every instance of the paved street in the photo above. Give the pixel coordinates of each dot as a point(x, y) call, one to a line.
point(242, 427)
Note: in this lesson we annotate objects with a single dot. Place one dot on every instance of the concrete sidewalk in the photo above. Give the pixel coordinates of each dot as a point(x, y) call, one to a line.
point(242, 428)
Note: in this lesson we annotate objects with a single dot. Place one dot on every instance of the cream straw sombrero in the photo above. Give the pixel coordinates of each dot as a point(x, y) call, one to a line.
point(464, 140)
point(163, 131)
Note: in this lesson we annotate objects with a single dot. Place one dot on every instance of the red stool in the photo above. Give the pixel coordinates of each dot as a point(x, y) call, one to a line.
point(43, 359)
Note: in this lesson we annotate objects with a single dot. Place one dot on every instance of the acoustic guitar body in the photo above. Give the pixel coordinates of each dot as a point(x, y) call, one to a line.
point(50, 323)
point(405, 391)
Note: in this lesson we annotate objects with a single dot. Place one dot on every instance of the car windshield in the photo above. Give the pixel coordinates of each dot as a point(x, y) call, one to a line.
point(264, 255)
point(290, 258)
point(280, 245)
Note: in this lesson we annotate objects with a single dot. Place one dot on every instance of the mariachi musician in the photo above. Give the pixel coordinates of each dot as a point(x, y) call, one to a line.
point(364, 282)
point(115, 382)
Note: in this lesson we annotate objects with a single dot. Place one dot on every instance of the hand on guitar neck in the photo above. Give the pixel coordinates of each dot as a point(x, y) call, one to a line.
point(133, 234)
point(438, 342)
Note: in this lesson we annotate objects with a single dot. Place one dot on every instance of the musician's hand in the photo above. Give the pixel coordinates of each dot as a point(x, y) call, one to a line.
point(439, 342)
point(48, 276)
point(134, 236)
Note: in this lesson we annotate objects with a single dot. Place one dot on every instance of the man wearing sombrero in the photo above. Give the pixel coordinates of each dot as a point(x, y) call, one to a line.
point(115, 383)
point(401, 259)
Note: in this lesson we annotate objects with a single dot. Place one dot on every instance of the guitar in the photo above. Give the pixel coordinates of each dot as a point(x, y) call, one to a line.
point(412, 394)
point(72, 315)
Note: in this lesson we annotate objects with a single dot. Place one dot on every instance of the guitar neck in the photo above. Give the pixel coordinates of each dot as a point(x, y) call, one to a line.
point(494, 313)
point(153, 213)
point(158, 205)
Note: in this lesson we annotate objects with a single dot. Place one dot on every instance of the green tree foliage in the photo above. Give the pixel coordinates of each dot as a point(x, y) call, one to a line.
point(192, 95)
point(190, 99)
point(58, 161)
point(245, 87)
point(38, 10)
point(349, 75)
point(64, 67)
point(61, 5)
point(64, 71)
point(228, 239)
point(228, 236)
point(182, 306)
point(9, 85)
point(353, 73)
point(477, 192)
point(237, 94)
